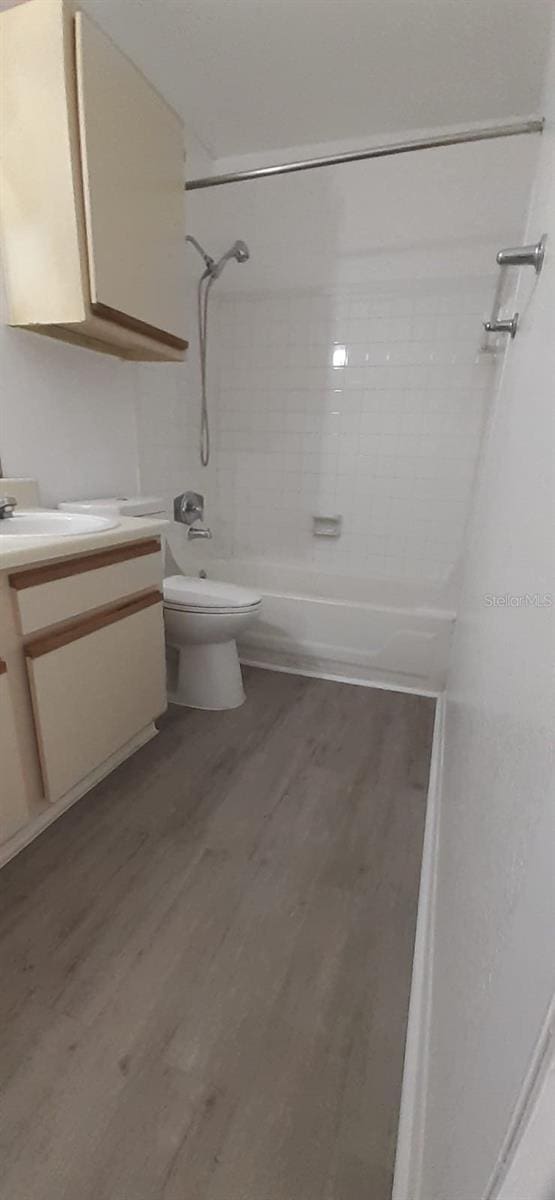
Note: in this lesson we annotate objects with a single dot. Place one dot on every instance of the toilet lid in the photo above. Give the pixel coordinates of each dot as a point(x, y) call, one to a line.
point(193, 593)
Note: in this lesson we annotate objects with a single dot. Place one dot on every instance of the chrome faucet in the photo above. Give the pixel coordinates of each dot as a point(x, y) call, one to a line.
point(7, 505)
point(199, 532)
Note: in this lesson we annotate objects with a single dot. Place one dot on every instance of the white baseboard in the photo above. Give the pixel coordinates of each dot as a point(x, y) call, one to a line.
point(410, 1137)
point(526, 1159)
point(393, 684)
point(51, 812)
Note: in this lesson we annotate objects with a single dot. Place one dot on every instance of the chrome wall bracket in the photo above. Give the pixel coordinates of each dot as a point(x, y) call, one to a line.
point(516, 256)
point(524, 256)
point(510, 325)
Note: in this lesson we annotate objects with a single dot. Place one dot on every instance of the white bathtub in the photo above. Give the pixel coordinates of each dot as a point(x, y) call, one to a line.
point(363, 630)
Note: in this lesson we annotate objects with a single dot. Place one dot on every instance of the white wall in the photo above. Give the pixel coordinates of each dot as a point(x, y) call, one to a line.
point(394, 261)
point(531, 1170)
point(494, 962)
point(66, 416)
point(253, 76)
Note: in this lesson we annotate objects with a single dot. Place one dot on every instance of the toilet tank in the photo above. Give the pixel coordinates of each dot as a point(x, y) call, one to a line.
point(124, 506)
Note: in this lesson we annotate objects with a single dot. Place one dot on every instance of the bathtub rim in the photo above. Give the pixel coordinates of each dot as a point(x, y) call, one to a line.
point(445, 608)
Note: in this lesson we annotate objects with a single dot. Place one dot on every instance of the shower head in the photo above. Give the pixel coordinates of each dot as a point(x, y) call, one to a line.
point(239, 251)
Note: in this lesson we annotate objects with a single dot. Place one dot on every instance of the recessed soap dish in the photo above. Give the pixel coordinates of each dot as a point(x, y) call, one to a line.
point(330, 527)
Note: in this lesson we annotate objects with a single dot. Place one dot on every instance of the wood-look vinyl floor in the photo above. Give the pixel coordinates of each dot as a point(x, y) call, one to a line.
point(205, 964)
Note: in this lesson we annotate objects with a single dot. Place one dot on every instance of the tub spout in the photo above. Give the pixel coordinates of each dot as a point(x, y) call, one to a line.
point(193, 533)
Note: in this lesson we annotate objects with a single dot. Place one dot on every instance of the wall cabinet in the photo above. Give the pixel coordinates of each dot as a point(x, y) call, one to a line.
point(92, 189)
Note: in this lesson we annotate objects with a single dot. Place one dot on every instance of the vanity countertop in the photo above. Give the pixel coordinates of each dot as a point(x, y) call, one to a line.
point(23, 551)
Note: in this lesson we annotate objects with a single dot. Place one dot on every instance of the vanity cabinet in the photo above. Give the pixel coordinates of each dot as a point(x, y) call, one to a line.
point(82, 678)
point(92, 188)
point(14, 810)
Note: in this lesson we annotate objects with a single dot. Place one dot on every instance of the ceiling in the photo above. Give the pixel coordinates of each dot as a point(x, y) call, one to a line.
point(255, 75)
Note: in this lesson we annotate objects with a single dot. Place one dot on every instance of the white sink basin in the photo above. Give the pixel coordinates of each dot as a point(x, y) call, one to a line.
point(43, 523)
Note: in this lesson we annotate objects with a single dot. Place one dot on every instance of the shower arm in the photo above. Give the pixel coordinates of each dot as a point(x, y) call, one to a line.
point(208, 260)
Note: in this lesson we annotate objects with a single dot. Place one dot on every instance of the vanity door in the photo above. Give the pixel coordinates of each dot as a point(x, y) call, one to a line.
point(14, 811)
point(96, 685)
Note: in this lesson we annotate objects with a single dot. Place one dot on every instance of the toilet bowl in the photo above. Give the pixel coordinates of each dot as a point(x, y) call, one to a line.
point(203, 619)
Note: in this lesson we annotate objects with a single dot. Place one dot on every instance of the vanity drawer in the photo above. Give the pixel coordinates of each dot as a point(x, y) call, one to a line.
point(94, 686)
point(55, 592)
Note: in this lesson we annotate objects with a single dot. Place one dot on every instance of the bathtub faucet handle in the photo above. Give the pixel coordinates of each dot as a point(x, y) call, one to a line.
point(188, 508)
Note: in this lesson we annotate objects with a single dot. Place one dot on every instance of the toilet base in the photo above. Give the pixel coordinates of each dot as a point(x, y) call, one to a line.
point(209, 677)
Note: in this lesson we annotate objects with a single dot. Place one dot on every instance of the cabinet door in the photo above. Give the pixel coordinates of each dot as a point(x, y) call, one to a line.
point(13, 799)
point(133, 177)
point(94, 687)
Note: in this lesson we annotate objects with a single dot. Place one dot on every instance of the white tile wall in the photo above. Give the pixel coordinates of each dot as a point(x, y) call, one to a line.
point(369, 405)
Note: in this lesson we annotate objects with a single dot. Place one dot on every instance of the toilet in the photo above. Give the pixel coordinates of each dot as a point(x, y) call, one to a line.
point(203, 619)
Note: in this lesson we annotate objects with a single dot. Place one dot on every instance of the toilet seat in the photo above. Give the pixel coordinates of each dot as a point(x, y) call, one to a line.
point(191, 594)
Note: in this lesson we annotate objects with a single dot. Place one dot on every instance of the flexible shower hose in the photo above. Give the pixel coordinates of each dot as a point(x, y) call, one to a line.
point(204, 285)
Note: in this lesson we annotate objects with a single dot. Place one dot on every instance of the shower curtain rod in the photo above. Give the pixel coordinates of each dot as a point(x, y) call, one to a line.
point(487, 133)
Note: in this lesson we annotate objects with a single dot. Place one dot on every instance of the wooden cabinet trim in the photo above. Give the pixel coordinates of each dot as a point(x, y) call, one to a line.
point(72, 633)
point(137, 326)
point(51, 572)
